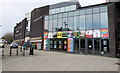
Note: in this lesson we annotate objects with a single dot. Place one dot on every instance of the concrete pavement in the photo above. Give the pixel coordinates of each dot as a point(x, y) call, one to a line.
point(56, 61)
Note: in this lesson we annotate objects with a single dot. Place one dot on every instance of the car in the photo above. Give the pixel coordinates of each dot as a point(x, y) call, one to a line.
point(2, 45)
point(13, 45)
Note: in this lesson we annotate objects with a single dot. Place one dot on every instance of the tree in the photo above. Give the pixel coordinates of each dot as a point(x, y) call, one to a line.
point(8, 37)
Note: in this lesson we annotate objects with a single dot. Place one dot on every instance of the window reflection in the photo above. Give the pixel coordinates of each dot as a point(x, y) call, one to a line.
point(96, 21)
point(104, 20)
point(82, 22)
point(88, 21)
point(70, 23)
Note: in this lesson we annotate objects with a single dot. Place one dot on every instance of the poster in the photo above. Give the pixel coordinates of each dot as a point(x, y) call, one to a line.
point(64, 34)
point(89, 33)
point(70, 34)
point(96, 33)
point(59, 35)
point(70, 45)
point(104, 32)
point(76, 34)
point(82, 33)
point(45, 44)
point(50, 35)
point(54, 34)
point(45, 34)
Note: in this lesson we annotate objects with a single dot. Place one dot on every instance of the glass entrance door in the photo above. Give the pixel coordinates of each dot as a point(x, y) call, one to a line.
point(104, 47)
point(89, 46)
point(97, 46)
point(82, 46)
point(76, 46)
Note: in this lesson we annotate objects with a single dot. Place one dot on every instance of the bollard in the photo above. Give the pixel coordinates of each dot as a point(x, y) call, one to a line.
point(10, 51)
point(2, 52)
point(17, 52)
point(23, 51)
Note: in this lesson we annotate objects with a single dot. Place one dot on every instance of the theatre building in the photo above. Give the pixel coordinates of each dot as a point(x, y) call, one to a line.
point(85, 30)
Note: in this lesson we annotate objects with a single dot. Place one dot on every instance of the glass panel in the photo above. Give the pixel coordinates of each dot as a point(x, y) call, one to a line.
point(55, 16)
point(64, 24)
point(64, 14)
point(57, 10)
point(76, 13)
point(50, 25)
point(76, 22)
point(95, 10)
point(51, 17)
point(60, 24)
point(59, 15)
point(46, 26)
point(70, 23)
point(70, 14)
point(82, 22)
point(88, 11)
point(96, 21)
point(82, 12)
point(46, 17)
point(62, 9)
point(88, 21)
point(50, 11)
point(55, 25)
point(68, 8)
point(103, 9)
point(73, 7)
point(104, 20)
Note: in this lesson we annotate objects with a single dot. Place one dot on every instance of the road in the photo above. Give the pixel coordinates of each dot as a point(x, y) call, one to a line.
point(56, 61)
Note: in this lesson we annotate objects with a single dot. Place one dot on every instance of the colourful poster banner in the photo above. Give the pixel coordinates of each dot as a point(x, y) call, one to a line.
point(70, 34)
point(50, 35)
point(64, 34)
point(45, 34)
point(82, 33)
point(104, 32)
point(59, 35)
point(70, 45)
point(96, 33)
point(45, 44)
point(76, 34)
point(89, 33)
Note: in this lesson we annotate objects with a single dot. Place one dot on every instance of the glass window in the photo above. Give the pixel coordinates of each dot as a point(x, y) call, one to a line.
point(88, 22)
point(68, 8)
point(88, 11)
point(62, 9)
point(59, 15)
point(70, 14)
point(76, 13)
point(55, 16)
point(73, 7)
point(64, 23)
point(53, 11)
point(55, 25)
point(95, 10)
point(64, 14)
point(57, 10)
point(82, 12)
point(50, 11)
point(46, 17)
point(82, 22)
point(96, 21)
point(104, 20)
point(76, 22)
point(60, 24)
point(103, 9)
point(51, 17)
point(50, 25)
point(46, 26)
point(70, 23)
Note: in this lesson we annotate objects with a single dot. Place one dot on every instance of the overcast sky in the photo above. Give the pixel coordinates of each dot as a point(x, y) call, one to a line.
point(13, 11)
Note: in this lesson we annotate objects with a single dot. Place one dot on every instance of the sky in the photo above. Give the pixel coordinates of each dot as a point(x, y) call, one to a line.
point(13, 11)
